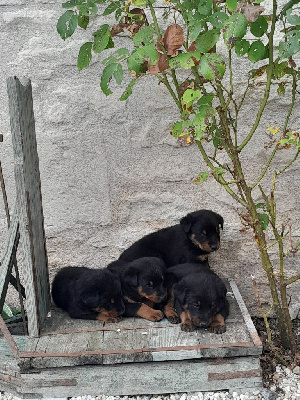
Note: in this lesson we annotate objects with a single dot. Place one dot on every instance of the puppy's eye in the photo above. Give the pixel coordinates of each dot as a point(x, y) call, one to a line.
point(204, 232)
point(112, 301)
point(150, 284)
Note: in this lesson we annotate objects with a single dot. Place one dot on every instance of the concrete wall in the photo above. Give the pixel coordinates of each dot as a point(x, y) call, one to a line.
point(110, 170)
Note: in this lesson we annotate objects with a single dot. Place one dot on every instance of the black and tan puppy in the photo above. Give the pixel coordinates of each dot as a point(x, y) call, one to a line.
point(197, 235)
point(143, 286)
point(88, 293)
point(196, 298)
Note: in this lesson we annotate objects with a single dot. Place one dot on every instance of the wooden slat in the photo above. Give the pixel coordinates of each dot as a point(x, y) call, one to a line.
point(29, 203)
point(7, 261)
point(144, 378)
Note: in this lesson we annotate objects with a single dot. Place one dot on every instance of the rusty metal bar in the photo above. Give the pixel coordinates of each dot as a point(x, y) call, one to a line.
point(220, 376)
point(42, 354)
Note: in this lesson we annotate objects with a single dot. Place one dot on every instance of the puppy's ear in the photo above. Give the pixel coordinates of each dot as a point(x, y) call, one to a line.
point(180, 291)
point(186, 223)
point(220, 220)
point(131, 276)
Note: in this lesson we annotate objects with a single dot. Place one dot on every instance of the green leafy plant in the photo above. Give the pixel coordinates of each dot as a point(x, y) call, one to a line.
point(207, 100)
point(9, 312)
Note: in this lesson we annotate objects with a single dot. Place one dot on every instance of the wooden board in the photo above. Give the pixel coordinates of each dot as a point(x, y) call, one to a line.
point(29, 203)
point(66, 342)
point(139, 378)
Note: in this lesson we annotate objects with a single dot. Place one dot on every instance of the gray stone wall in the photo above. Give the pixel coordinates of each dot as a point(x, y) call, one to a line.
point(110, 170)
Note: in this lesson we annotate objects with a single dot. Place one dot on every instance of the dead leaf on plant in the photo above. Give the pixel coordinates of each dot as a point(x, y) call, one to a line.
point(186, 85)
point(161, 65)
point(173, 39)
point(251, 11)
point(132, 23)
point(185, 140)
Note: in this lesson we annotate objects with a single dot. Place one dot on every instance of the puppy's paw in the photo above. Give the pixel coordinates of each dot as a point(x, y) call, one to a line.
point(114, 319)
point(187, 327)
point(172, 316)
point(155, 315)
point(217, 328)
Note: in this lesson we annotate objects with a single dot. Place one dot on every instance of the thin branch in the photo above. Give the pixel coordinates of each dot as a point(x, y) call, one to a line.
point(270, 69)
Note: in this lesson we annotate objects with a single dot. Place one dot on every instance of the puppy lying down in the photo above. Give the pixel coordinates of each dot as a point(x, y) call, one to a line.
point(88, 293)
point(196, 298)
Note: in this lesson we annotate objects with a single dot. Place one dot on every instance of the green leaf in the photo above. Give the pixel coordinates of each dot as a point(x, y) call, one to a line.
point(102, 39)
point(118, 55)
point(190, 95)
point(114, 69)
point(88, 8)
point(148, 52)
point(143, 36)
point(184, 60)
point(201, 177)
point(177, 129)
point(235, 27)
point(231, 4)
point(199, 126)
point(259, 27)
point(289, 5)
point(118, 74)
point(206, 111)
point(85, 55)
point(257, 51)
point(7, 311)
point(293, 19)
point(206, 99)
point(264, 220)
point(66, 24)
point(136, 64)
point(280, 69)
point(128, 90)
point(242, 47)
point(217, 19)
point(281, 89)
point(195, 30)
point(291, 46)
point(72, 3)
point(205, 7)
point(113, 6)
point(207, 40)
point(212, 66)
point(83, 21)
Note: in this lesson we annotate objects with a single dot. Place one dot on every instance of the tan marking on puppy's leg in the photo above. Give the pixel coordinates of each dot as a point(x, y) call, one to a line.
point(149, 303)
point(108, 316)
point(186, 322)
point(170, 313)
point(218, 324)
point(148, 313)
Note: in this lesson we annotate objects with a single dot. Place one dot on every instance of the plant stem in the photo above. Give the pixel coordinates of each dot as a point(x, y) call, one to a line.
point(270, 69)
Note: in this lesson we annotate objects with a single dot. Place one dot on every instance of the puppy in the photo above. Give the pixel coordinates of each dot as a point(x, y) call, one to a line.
point(88, 293)
point(143, 286)
point(196, 298)
point(192, 240)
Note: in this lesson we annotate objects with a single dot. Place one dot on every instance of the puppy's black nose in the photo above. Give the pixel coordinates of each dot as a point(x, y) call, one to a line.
point(214, 247)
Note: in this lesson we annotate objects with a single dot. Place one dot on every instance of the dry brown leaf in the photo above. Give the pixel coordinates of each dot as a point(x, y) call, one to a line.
point(117, 29)
point(161, 65)
point(252, 11)
point(173, 39)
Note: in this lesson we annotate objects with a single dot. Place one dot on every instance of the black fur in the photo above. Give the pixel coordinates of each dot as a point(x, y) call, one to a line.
point(143, 286)
point(191, 240)
point(88, 293)
point(198, 296)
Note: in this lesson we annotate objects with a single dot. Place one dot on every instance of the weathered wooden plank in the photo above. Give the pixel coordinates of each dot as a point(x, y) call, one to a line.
point(29, 203)
point(144, 378)
point(246, 315)
point(8, 258)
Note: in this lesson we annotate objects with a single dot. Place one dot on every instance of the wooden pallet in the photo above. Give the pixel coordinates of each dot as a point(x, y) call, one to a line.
point(135, 356)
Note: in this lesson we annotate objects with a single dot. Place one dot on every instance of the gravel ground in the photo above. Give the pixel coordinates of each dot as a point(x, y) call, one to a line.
point(285, 384)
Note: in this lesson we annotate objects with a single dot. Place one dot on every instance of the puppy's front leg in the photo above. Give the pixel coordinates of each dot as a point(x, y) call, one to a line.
point(186, 322)
point(169, 310)
point(143, 311)
point(218, 323)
